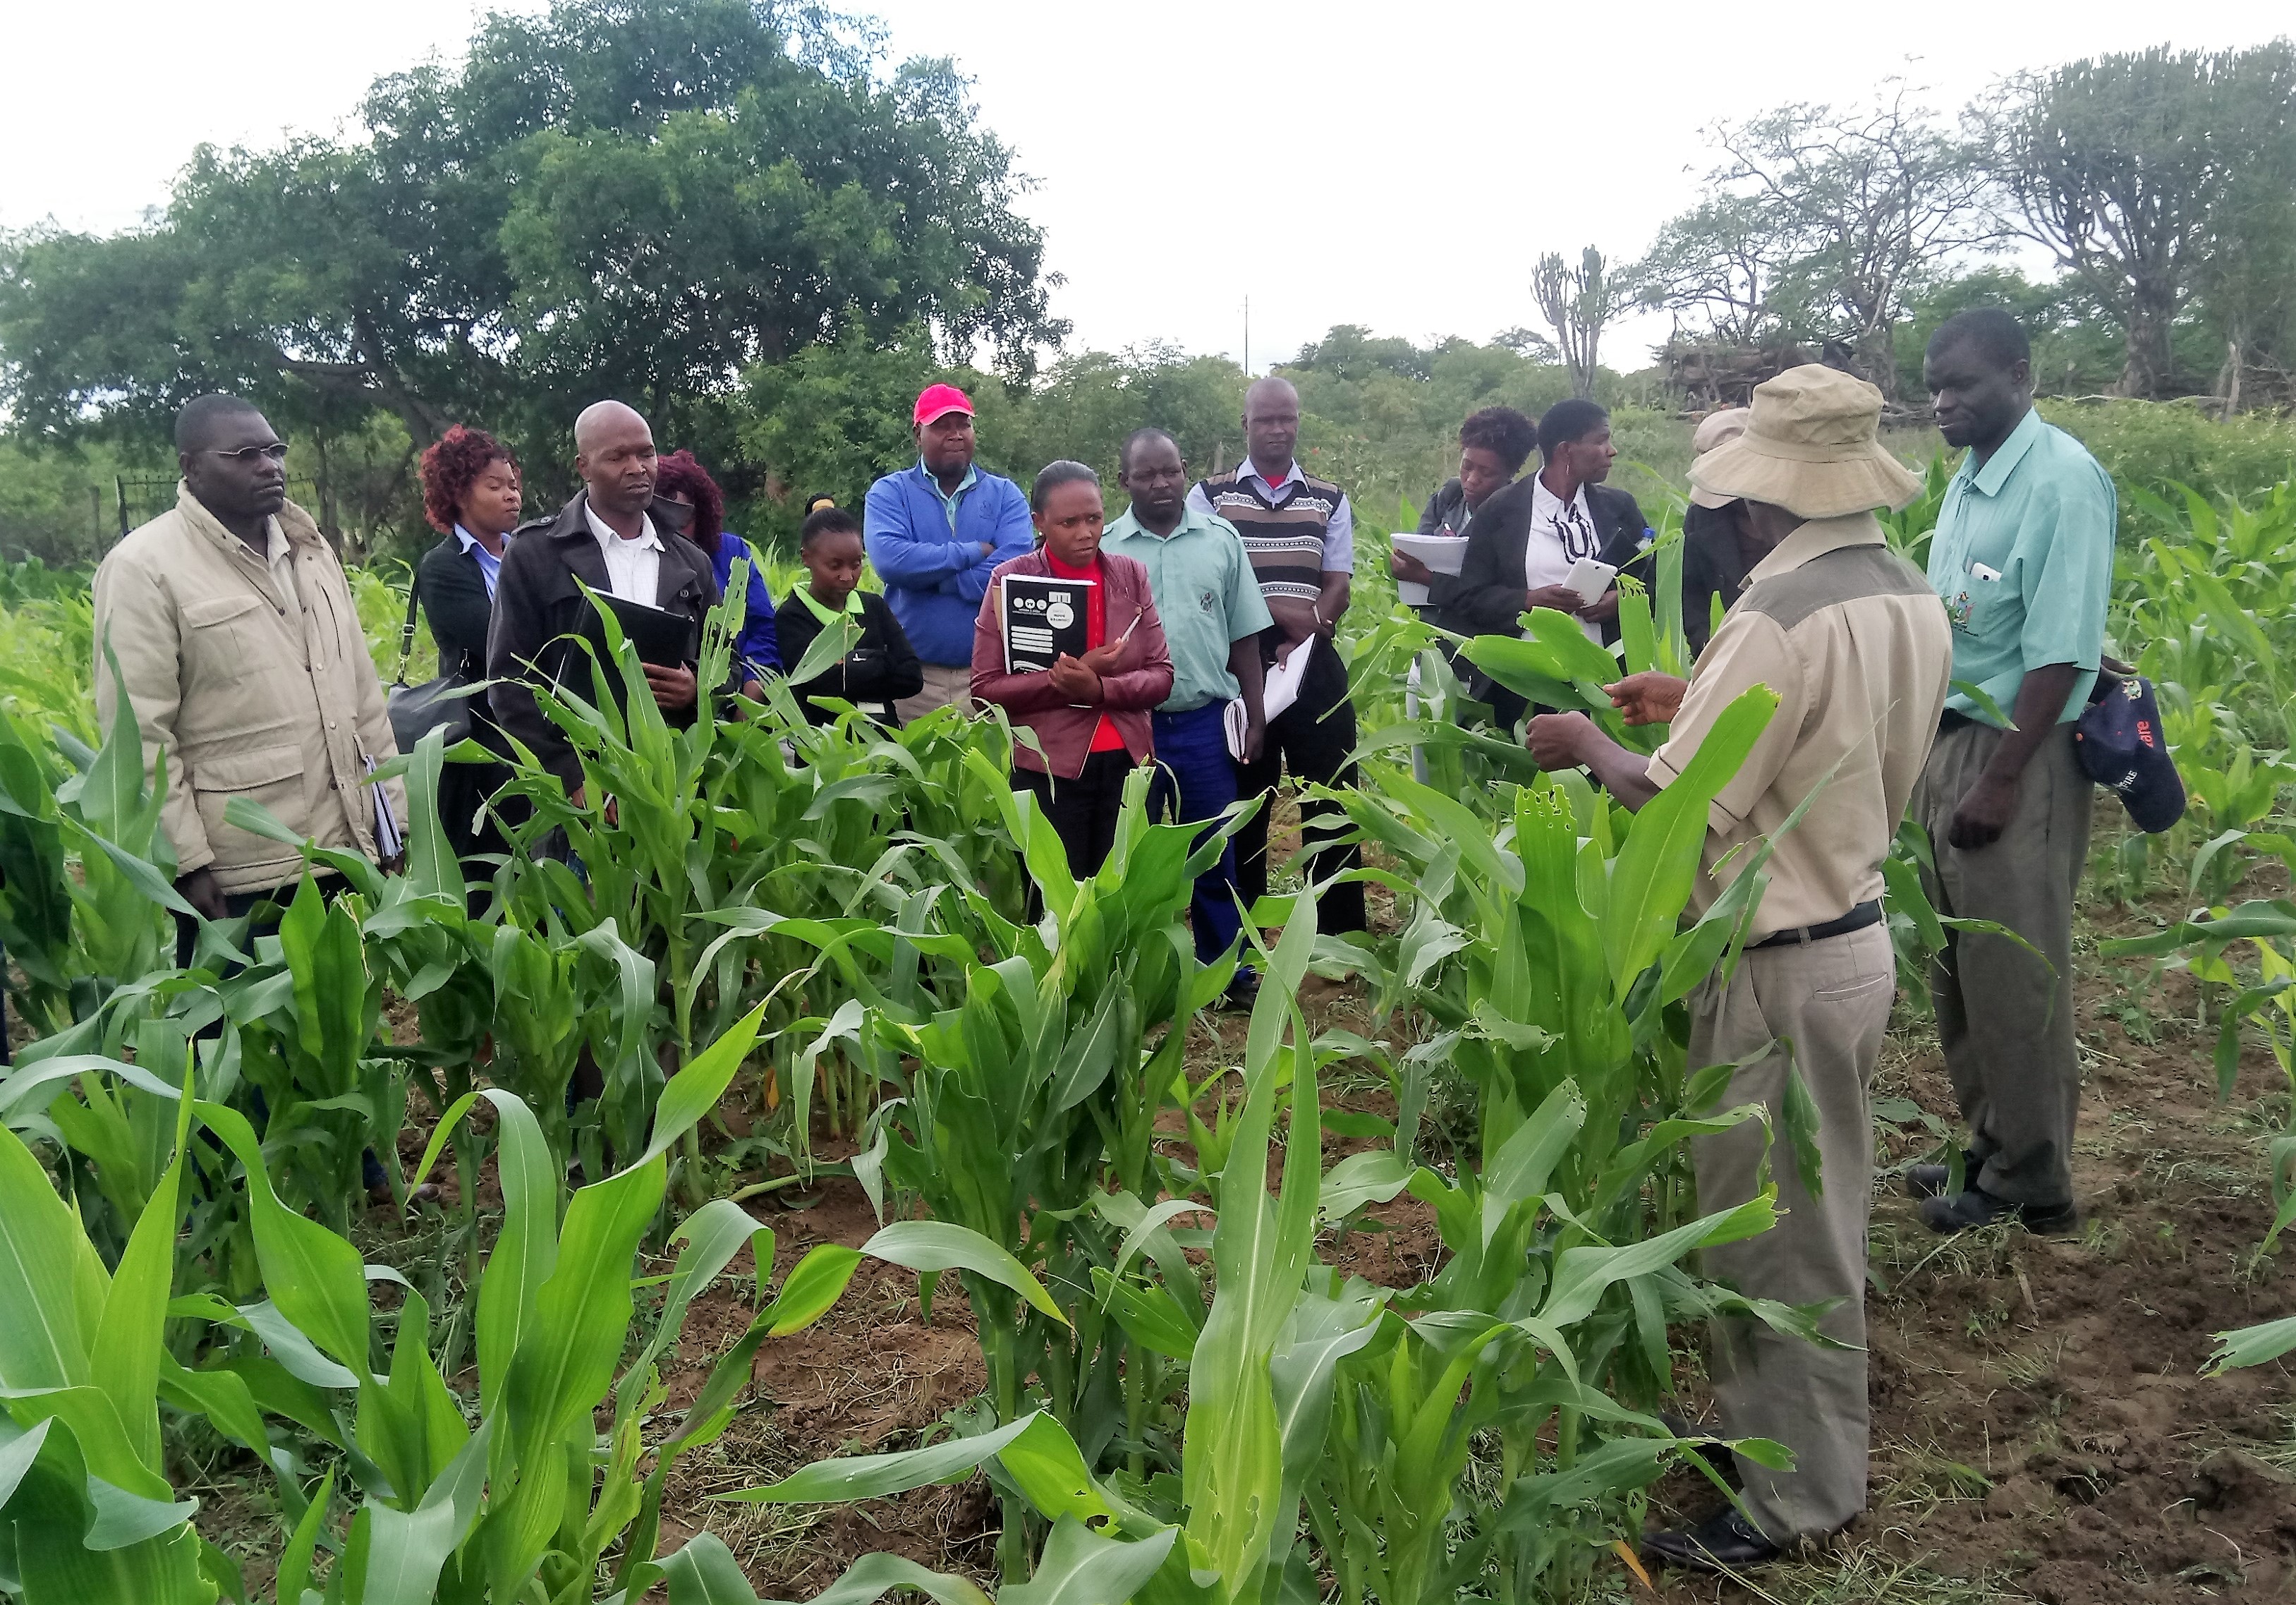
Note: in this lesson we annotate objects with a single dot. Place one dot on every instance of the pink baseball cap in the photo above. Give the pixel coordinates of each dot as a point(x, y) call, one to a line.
point(938, 400)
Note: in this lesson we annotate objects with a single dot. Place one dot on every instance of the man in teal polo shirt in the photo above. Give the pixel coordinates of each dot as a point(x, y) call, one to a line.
point(1213, 613)
point(2023, 558)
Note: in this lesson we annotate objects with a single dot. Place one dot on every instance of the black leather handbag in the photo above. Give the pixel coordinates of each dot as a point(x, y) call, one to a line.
point(416, 711)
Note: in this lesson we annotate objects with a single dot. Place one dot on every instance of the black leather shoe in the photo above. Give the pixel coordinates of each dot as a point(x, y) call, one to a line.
point(1242, 992)
point(1976, 1208)
point(1725, 1542)
point(1930, 1180)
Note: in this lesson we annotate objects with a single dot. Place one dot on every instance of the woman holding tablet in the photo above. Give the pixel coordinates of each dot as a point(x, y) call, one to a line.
point(1538, 542)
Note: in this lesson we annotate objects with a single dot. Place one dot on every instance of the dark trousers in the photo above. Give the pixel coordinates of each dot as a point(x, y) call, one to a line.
point(1313, 738)
point(1084, 810)
point(2005, 1019)
point(1195, 779)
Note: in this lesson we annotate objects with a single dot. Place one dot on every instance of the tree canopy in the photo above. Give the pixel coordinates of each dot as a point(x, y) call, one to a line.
point(640, 198)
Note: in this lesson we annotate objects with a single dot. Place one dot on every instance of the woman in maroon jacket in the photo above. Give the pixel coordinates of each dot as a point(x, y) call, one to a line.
point(1089, 714)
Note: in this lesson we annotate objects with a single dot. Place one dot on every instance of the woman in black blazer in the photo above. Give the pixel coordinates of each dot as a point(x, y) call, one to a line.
point(471, 494)
point(1492, 590)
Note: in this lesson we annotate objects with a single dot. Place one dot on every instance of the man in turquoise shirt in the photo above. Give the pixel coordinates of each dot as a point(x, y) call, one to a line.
point(2023, 558)
point(1213, 613)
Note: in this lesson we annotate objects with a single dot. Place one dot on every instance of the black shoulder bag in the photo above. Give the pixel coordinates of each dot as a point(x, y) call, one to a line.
point(416, 711)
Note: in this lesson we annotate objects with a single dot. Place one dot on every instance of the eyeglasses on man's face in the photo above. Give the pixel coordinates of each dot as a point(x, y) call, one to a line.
point(247, 456)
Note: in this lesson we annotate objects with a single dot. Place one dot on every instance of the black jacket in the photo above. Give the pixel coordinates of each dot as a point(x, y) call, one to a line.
point(1488, 599)
point(538, 605)
point(882, 668)
point(1712, 565)
point(1441, 516)
point(454, 595)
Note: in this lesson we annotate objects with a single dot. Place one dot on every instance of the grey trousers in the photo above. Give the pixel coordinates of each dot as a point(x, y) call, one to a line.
point(2004, 1022)
point(1830, 1000)
point(945, 683)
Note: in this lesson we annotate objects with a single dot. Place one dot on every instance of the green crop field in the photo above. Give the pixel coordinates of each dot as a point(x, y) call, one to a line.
point(1375, 1297)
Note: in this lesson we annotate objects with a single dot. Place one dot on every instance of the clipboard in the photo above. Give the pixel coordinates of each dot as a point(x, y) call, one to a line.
point(667, 641)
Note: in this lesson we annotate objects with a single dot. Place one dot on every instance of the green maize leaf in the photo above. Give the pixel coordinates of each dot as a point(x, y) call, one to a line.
point(711, 1236)
point(79, 1540)
point(2252, 1345)
point(1520, 1168)
point(1080, 1567)
point(1655, 870)
point(566, 1354)
point(1617, 1465)
point(31, 1087)
point(695, 1091)
point(124, 1362)
point(935, 1246)
point(405, 1550)
point(316, 1280)
point(1049, 1469)
point(807, 1294)
point(294, 1575)
point(1985, 705)
point(872, 1576)
point(16, 1458)
point(96, 1427)
point(294, 1354)
point(432, 869)
point(1149, 1316)
point(1581, 1274)
point(1302, 1373)
point(1373, 1176)
point(704, 1572)
point(526, 1251)
point(222, 1396)
point(409, 1425)
point(2259, 919)
point(876, 1476)
point(1149, 1223)
point(44, 1335)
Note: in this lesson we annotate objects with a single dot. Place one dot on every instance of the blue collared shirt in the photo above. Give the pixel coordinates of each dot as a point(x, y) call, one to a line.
point(2023, 558)
point(1339, 534)
point(490, 565)
point(949, 498)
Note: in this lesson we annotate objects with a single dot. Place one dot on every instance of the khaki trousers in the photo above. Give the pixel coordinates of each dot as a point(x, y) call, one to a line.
point(2004, 1022)
point(945, 683)
point(1830, 1000)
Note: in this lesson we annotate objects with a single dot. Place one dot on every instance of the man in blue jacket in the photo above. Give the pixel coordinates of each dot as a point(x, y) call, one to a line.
point(935, 533)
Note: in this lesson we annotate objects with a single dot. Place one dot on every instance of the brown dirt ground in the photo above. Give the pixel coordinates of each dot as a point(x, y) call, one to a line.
point(2041, 1431)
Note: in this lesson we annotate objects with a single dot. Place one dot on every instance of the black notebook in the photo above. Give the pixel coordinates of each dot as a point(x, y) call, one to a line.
point(667, 641)
point(1044, 618)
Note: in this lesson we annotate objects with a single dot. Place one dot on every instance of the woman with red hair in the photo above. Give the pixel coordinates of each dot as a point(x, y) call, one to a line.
point(687, 500)
point(472, 495)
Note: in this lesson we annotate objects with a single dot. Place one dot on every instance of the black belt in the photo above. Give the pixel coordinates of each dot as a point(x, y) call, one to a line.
point(1953, 718)
point(1865, 914)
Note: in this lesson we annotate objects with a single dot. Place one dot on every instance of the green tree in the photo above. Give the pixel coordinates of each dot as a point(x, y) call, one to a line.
point(2144, 176)
point(1825, 222)
point(641, 198)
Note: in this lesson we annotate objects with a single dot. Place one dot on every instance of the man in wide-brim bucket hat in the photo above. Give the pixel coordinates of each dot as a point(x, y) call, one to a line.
point(1851, 640)
point(1808, 445)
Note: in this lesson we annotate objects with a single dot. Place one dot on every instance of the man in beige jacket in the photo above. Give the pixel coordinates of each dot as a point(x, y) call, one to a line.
point(241, 652)
point(1855, 644)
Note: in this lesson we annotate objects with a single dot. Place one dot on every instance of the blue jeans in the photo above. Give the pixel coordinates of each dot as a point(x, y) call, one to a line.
point(1192, 762)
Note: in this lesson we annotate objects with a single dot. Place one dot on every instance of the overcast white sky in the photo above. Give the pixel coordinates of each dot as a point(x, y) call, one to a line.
point(1399, 166)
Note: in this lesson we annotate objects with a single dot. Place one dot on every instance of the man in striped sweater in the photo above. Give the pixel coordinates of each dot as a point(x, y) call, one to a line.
point(1300, 534)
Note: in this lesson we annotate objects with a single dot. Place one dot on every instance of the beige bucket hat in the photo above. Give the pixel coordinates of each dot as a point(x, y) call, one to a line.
point(1810, 448)
point(1716, 429)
